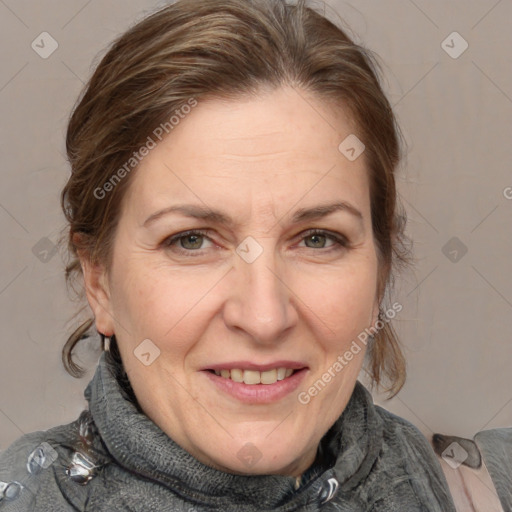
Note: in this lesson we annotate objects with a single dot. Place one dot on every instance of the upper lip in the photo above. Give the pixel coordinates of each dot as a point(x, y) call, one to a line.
point(247, 365)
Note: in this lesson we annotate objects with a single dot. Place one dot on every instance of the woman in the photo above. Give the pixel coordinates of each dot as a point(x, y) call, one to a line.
point(232, 212)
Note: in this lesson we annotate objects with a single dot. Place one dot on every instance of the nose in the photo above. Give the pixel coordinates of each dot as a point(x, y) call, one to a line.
point(261, 302)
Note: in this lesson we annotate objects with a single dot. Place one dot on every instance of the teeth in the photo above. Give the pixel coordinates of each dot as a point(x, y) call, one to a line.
point(254, 377)
point(269, 377)
point(237, 375)
point(281, 373)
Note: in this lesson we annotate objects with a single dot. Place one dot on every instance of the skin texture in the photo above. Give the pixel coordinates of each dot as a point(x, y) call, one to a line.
point(258, 160)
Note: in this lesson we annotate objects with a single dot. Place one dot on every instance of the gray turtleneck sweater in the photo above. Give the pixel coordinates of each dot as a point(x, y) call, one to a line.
point(369, 461)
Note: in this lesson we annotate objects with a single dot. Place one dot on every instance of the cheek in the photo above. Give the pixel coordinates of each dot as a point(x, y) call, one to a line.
point(139, 297)
point(342, 301)
point(162, 304)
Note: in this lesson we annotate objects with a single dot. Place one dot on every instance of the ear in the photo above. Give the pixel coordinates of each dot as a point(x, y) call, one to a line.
point(98, 295)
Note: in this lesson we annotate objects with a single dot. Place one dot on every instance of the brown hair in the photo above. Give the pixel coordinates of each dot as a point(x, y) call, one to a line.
point(225, 49)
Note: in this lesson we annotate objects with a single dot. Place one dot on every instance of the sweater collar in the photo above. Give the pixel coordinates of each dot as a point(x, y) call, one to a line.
point(346, 452)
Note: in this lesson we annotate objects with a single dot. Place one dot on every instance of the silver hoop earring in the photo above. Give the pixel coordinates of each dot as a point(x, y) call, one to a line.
point(105, 342)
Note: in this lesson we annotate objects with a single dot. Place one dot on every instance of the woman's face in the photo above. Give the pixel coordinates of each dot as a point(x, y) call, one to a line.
point(244, 247)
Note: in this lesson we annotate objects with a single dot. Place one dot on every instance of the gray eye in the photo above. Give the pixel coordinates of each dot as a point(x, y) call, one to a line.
point(317, 241)
point(191, 241)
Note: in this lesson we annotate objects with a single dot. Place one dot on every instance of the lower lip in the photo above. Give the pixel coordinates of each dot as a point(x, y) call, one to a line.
point(258, 393)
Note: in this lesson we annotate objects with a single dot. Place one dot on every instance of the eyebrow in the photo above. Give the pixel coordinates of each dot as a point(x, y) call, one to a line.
point(215, 216)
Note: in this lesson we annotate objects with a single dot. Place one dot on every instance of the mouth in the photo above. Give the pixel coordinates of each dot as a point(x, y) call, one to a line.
point(251, 383)
point(253, 377)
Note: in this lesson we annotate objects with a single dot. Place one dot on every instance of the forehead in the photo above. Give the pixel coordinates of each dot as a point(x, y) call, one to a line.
point(275, 149)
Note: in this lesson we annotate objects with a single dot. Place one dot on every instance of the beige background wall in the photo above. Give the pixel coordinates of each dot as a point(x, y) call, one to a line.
point(456, 115)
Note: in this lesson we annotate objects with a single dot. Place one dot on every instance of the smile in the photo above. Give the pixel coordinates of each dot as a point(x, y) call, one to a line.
point(252, 377)
point(256, 384)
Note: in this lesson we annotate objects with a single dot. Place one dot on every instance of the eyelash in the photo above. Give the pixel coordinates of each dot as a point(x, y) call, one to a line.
point(340, 242)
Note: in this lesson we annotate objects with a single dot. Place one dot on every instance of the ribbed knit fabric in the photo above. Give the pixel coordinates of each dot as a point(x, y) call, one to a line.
point(496, 448)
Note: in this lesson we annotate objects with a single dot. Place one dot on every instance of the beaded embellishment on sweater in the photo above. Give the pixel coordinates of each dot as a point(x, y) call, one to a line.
point(85, 461)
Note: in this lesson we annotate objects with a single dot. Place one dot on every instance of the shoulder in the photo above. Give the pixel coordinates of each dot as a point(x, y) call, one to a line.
point(408, 452)
point(30, 469)
point(404, 440)
point(495, 446)
point(402, 433)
